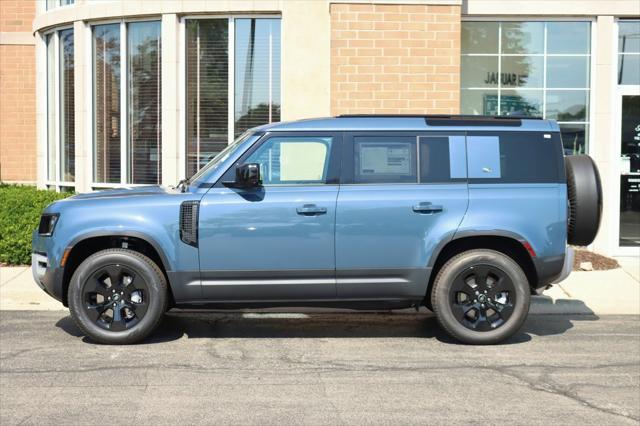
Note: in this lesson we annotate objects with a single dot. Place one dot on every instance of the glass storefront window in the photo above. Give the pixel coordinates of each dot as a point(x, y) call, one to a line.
point(629, 52)
point(207, 90)
point(479, 37)
point(530, 68)
point(60, 108)
point(568, 71)
point(630, 172)
point(140, 162)
point(67, 107)
point(106, 107)
point(522, 37)
point(255, 95)
point(568, 37)
point(51, 107)
point(257, 73)
point(144, 133)
point(521, 102)
point(52, 4)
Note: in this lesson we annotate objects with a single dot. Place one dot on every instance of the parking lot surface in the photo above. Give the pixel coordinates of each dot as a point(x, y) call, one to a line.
point(319, 369)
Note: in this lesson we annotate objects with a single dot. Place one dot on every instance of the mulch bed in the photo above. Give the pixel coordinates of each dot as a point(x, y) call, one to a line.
point(599, 262)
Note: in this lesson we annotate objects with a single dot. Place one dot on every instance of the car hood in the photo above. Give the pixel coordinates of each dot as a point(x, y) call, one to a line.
point(124, 192)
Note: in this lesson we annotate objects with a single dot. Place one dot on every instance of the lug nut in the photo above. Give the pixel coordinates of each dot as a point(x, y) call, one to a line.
point(482, 306)
point(477, 292)
point(475, 300)
point(114, 305)
point(113, 291)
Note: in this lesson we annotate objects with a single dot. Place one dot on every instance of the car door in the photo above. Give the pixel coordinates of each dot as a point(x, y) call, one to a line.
point(276, 241)
point(401, 196)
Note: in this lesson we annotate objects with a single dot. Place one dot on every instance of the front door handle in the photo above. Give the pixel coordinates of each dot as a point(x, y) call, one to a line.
point(311, 210)
point(427, 208)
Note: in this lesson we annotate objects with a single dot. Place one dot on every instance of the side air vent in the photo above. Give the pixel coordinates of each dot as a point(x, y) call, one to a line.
point(189, 222)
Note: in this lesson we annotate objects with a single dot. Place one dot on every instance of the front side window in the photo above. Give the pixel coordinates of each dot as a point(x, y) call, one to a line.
point(139, 84)
point(532, 68)
point(293, 160)
point(221, 106)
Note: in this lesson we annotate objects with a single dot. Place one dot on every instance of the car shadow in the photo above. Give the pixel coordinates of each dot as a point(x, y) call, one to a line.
point(198, 325)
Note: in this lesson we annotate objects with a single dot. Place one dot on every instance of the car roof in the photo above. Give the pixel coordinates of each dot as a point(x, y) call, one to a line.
point(412, 123)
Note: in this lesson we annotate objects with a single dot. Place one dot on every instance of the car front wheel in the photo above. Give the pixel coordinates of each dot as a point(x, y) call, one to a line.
point(481, 297)
point(117, 296)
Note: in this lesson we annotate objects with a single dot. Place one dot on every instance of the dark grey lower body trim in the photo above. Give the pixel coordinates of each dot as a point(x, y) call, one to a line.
point(303, 284)
point(354, 304)
point(380, 283)
point(548, 268)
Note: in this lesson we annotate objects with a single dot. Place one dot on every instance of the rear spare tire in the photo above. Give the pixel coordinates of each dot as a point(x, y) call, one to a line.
point(585, 199)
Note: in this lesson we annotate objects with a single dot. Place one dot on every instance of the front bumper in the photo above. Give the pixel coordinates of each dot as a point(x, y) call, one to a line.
point(48, 279)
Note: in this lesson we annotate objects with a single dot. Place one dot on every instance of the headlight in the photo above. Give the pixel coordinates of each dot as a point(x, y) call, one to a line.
point(47, 223)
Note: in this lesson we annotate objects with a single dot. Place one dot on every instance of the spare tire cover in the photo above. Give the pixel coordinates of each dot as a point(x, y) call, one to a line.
point(585, 199)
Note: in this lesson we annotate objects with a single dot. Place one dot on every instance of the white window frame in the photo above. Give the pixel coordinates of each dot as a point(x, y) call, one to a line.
point(124, 131)
point(56, 183)
point(619, 91)
point(182, 78)
point(590, 117)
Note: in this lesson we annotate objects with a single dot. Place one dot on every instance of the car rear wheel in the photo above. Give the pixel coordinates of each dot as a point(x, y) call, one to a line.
point(117, 296)
point(481, 297)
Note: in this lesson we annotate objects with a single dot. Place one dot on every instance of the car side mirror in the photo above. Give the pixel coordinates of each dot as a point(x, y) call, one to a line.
point(247, 176)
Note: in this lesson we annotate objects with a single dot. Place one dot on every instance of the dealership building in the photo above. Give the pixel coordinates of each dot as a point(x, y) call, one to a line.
point(110, 93)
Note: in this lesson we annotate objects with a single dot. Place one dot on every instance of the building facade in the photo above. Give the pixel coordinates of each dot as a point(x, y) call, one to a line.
point(107, 93)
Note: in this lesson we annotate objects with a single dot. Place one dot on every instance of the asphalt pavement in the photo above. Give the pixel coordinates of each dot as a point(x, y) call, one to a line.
point(319, 369)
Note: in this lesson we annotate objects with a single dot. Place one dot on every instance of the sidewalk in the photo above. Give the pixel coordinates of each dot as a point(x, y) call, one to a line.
point(614, 292)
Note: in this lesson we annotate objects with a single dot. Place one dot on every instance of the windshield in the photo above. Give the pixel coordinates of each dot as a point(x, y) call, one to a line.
point(219, 159)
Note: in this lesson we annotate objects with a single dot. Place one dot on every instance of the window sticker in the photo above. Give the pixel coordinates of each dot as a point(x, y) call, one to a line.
point(386, 159)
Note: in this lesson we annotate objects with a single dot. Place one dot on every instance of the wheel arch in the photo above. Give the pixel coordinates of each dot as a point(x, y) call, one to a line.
point(83, 247)
point(508, 243)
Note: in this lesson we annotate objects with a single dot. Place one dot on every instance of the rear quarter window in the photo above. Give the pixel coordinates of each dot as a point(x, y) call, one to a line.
point(515, 157)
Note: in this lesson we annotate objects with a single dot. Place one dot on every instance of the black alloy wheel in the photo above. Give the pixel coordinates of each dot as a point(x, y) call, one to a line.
point(116, 298)
point(482, 297)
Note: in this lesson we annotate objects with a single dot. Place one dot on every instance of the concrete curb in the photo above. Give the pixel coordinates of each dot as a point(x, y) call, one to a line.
point(614, 292)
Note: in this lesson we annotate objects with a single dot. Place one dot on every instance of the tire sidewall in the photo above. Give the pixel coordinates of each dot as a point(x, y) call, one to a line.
point(157, 298)
point(441, 296)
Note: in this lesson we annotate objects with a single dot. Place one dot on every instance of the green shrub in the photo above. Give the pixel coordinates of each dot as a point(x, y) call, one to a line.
point(20, 209)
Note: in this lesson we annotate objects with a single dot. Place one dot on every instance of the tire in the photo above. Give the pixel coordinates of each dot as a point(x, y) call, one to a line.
point(139, 296)
point(585, 199)
point(504, 290)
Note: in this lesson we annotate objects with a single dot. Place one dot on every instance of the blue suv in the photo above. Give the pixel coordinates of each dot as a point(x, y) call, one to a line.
point(466, 215)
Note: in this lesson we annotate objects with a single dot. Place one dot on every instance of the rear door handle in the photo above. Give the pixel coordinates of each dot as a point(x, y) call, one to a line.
point(311, 210)
point(427, 207)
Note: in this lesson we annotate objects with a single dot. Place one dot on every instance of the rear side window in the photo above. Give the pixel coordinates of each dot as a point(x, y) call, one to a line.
point(442, 159)
point(405, 158)
point(514, 157)
point(385, 159)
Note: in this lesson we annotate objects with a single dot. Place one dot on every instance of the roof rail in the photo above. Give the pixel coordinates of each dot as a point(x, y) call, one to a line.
point(444, 116)
point(454, 120)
